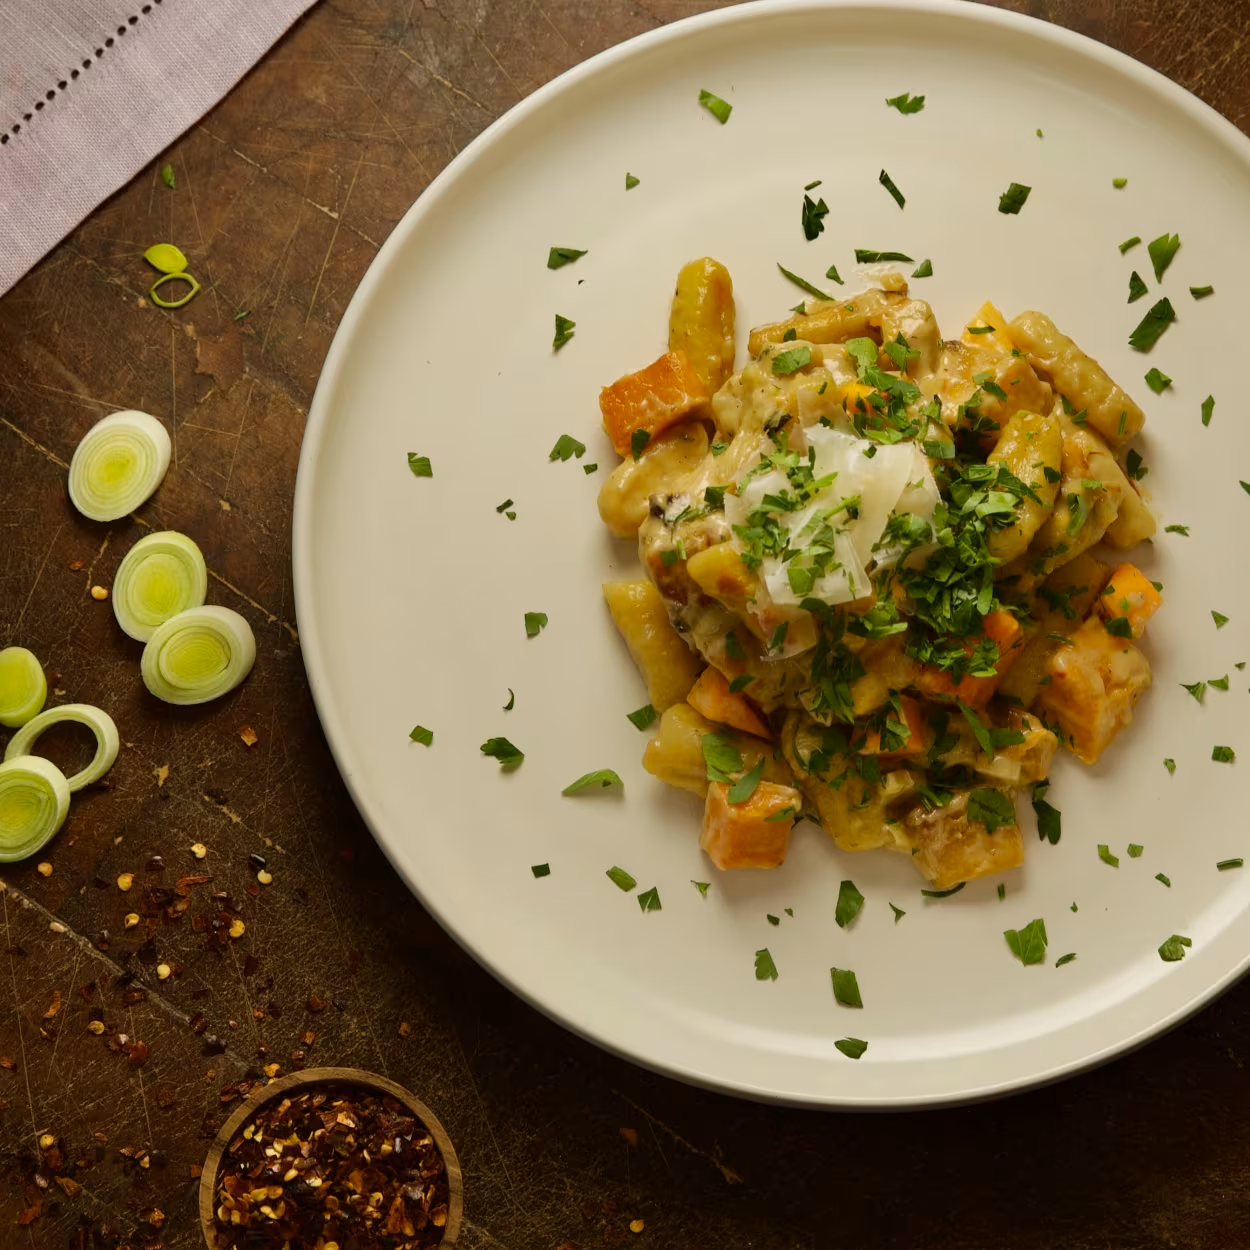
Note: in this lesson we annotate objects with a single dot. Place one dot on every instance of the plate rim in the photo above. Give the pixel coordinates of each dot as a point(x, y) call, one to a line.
point(320, 415)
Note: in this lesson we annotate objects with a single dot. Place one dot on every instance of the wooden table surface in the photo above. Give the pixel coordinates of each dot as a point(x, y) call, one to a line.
point(284, 193)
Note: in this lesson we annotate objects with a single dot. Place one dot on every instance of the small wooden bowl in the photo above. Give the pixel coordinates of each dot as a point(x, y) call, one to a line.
point(298, 1082)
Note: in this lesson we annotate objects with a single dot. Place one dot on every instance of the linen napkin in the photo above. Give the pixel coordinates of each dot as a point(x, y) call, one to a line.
point(92, 90)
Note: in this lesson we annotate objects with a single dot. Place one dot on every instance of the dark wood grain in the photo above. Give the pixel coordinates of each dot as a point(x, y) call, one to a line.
point(284, 193)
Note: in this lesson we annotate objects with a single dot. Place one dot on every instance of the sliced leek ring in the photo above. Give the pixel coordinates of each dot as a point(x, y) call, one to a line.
point(100, 723)
point(198, 655)
point(23, 687)
point(162, 575)
point(118, 465)
point(34, 801)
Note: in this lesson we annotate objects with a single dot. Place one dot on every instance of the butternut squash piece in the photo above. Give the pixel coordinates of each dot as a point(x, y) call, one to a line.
point(988, 315)
point(1130, 594)
point(1002, 628)
point(754, 834)
point(950, 848)
point(651, 400)
point(701, 323)
point(667, 664)
point(710, 696)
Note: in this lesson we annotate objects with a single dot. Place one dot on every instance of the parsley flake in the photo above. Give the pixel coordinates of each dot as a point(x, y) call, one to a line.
point(804, 285)
point(765, 969)
point(850, 900)
point(1208, 408)
point(1201, 292)
point(741, 682)
point(888, 183)
point(1135, 850)
point(906, 103)
point(1165, 879)
point(1013, 199)
point(558, 257)
point(923, 270)
point(1119, 183)
point(813, 217)
point(721, 756)
point(566, 446)
point(744, 787)
point(1133, 242)
point(1104, 854)
point(866, 256)
point(541, 870)
point(422, 735)
point(167, 176)
point(507, 707)
point(773, 920)
point(601, 778)
point(832, 274)
point(649, 900)
point(1136, 287)
point(1170, 765)
point(1065, 959)
point(943, 893)
point(992, 808)
point(1152, 326)
point(643, 718)
point(420, 465)
point(564, 332)
point(1174, 948)
point(535, 623)
point(1133, 465)
point(1223, 755)
point(845, 987)
point(1049, 819)
point(701, 886)
point(851, 1047)
point(1219, 618)
point(631, 182)
point(1162, 251)
point(1218, 683)
point(785, 363)
point(1225, 864)
point(1157, 381)
point(590, 468)
point(502, 750)
point(1002, 891)
point(720, 109)
point(1197, 689)
point(503, 507)
point(899, 913)
point(638, 441)
point(1182, 530)
point(1118, 626)
point(621, 878)
point(1028, 945)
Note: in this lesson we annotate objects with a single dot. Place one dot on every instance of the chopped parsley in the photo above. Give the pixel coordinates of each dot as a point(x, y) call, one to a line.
point(845, 987)
point(773, 920)
point(1174, 948)
point(420, 465)
point(1170, 765)
point(566, 446)
point(1133, 242)
point(851, 1047)
point(503, 507)
point(1219, 683)
point(866, 256)
point(618, 876)
point(1165, 879)
point(1136, 287)
point(943, 893)
point(899, 913)
point(701, 886)
point(1219, 618)
point(507, 707)
point(906, 103)
point(720, 109)
point(785, 363)
point(923, 270)
point(601, 777)
point(564, 332)
point(888, 183)
point(541, 870)
point(502, 750)
point(811, 186)
point(721, 757)
point(1152, 326)
point(1182, 530)
point(1028, 945)
point(744, 787)
point(765, 969)
point(1013, 199)
point(850, 900)
point(1104, 854)
point(649, 900)
point(1135, 850)
point(832, 274)
point(638, 441)
point(1065, 959)
point(803, 284)
point(558, 257)
point(1162, 251)
point(422, 735)
point(1119, 626)
point(987, 329)
point(1157, 381)
point(1223, 755)
point(1208, 407)
point(1002, 891)
point(167, 173)
point(1225, 864)
point(992, 808)
point(1119, 183)
point(1197, 689)
point(1133, 466)
point(733, 648)
point(813, 217)
point(1201, 292)
point(741, 682)
point(535, 623)
point(631, 182)
point(1244, 486)
point(590, 468)
point(1049, 819)
point(718, 448)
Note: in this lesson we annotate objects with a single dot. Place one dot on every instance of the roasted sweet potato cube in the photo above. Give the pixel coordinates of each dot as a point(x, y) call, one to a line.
point(1129, 594)
point(1005, 630)
point(651, 400)
point(711, 697)
point(742, 835)
point(913, 718)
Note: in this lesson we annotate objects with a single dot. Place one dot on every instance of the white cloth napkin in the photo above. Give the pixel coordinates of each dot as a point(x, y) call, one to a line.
point(92, 90)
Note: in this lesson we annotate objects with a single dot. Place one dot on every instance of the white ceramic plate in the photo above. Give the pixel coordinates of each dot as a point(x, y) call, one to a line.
point(411, 592)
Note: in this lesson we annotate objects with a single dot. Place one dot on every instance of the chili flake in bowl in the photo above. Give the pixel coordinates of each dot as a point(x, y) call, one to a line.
point(331, 1159)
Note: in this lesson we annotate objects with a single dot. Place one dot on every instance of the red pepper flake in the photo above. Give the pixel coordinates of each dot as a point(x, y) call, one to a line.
point(165, 1097)
point(314, 1002)
point(55, 1006)
point(7, 1063)
point(183, 885)
point(69, 1185)
point(137, 1054)
point(336, 1163)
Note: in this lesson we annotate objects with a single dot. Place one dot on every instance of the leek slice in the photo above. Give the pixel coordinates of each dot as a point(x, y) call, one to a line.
point(162, 575)
point(118, 465)
point(198, 655)
point(23, 687)
point(34, 801)
point(100, 723)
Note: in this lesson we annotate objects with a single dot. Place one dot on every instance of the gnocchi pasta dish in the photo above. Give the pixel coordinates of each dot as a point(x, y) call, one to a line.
point(882, 586)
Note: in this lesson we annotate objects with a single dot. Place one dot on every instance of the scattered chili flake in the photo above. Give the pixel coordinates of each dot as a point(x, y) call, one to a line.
point(7, 1063)
point(314, 1002)
point(248, 734)
point(337, 1163)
